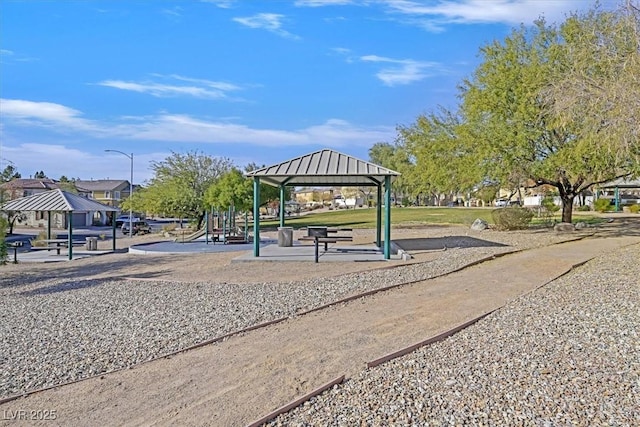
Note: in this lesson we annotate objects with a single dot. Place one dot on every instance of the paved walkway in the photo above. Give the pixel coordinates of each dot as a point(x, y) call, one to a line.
point(245, 377)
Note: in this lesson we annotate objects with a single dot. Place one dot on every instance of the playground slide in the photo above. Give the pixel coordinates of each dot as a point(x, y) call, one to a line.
point(191, 237)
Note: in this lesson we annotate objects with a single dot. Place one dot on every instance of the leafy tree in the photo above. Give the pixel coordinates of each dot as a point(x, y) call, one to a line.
point(9, 173)
point(444, 163)
point(394, 157)
point(40, 175)
point(231, 189)
point(179, 184)
point(67, 185)
point(513, 111)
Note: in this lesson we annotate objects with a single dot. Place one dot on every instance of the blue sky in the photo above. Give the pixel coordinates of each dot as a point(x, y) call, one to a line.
point(249, 80)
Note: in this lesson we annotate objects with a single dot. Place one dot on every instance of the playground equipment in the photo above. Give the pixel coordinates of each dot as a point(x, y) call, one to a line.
point(221, 226)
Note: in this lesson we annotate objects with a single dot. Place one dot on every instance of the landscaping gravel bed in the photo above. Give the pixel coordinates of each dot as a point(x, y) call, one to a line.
point(566, 354)
point(55, 331)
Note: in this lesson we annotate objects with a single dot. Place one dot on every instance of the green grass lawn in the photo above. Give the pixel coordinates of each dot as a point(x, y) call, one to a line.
point(366, 218)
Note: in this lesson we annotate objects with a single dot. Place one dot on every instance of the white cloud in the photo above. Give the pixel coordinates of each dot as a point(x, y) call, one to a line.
point(6, 52)
point(403, 71)
point(271, 22)
point(200, 88)
point(44, 114)
point(435, 14)
point(223, 4)
point(28, 157)
point(181, 128)
point(321, 3)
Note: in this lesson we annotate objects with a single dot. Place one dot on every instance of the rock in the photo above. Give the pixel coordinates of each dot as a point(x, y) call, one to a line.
point(479, 225)
point(580, 225)
point(564, 227)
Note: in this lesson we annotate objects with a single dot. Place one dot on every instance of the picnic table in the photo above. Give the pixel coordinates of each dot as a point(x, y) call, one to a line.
point(52, 244)
point(325, 235)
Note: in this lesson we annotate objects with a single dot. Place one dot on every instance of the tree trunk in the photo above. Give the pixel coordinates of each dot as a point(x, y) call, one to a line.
point(567, 207)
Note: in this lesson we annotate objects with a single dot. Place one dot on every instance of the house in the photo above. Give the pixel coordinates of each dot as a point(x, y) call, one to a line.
point(109, 192)
point(22, 187)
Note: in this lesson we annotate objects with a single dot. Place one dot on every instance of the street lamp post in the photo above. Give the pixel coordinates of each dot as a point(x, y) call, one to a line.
point(130, 156)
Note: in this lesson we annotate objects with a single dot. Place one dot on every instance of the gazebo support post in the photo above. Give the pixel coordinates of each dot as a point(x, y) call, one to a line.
point(48, 224)
point(256, 216)
point(379, 216)
point(387, 217)
point(282, 205)
point(113, 225)
point(70, 235)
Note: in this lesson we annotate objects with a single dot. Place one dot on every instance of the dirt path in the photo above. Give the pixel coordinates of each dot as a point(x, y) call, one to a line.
point(245, 377)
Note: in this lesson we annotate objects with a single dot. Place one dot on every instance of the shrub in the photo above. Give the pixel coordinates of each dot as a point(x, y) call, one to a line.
point(512, 218)
point(38, 240)
point(4, 254)
point(634, 209)
point(602, 205)
point(583, 208)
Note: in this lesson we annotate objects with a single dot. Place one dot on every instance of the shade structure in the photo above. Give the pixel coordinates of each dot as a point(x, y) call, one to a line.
point(59, 201)
point(326, 168)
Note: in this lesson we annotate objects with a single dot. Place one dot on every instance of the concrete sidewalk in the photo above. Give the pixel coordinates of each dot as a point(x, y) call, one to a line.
point(246, 376)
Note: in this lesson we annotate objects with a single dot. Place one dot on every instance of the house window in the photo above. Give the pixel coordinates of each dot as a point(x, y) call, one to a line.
point(107, 194)
point(91, 196)
point(116, 195)
point(39, 215)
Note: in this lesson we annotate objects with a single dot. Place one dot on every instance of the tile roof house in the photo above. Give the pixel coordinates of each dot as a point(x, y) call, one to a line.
point(106, 191)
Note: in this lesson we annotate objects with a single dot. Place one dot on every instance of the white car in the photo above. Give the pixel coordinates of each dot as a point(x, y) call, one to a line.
point(501, 203)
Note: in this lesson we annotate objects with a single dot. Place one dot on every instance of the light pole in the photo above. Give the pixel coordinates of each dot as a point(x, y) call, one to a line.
point(130, 156)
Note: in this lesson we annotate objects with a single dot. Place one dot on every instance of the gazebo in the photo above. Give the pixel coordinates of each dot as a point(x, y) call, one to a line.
point(59, 201)
point(326, 168)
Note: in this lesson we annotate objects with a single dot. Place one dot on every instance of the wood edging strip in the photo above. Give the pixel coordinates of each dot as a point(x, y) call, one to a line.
point(413, 347)
point(297, 402)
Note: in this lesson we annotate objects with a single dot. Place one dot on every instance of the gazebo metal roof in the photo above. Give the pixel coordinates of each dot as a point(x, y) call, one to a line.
point(56, 201)
point(325, 167)
point(59, 201)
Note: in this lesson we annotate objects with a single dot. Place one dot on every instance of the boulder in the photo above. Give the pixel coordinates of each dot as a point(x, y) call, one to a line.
point(580, 225)
point(564, 227)
point(479, 225)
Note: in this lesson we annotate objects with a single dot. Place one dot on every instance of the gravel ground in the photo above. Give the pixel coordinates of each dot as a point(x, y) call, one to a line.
point(566, 354)
point(56, 330)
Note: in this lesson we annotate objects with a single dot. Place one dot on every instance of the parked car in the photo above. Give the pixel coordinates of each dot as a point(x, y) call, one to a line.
point(125, 218)
point(139, 227)
point(500, 203)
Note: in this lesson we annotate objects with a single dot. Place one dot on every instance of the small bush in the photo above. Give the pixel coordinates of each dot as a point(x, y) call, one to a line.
point(4, 254)
point(169, 227)
point(634, 209)
point(602, 205)
point(38, 241)
point(583, 208)
point(512, 218)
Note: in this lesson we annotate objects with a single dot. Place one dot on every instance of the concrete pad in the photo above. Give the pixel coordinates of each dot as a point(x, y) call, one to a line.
point(334, 253)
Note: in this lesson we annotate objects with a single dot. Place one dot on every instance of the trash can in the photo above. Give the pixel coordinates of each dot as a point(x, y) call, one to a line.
point(92, 243)
point(285, 236)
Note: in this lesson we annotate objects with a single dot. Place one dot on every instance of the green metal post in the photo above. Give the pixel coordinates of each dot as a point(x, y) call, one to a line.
point(387, 217)
point(113, 226)
point(379, 216)
point(282, 206)
point(256, 216)
point(48, 224)
point(206, 227)
point(70, 235)
point(616, 194)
